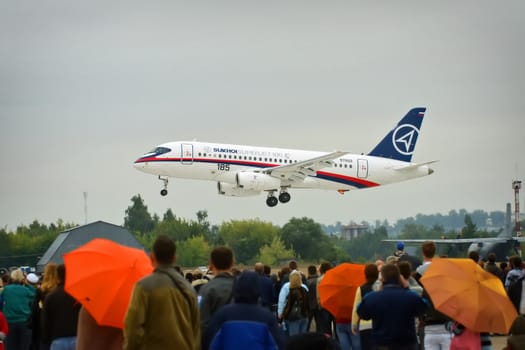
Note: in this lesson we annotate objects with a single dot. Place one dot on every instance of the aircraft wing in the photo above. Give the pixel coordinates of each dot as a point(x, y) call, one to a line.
point(298, 171)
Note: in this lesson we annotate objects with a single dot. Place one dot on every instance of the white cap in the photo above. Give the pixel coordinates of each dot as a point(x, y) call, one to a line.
point(32, 278)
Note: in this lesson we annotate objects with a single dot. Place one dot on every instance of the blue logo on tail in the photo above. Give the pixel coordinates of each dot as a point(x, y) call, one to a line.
point(401, 141)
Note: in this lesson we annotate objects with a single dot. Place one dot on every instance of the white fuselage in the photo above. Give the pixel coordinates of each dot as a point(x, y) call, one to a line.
point(223, 162)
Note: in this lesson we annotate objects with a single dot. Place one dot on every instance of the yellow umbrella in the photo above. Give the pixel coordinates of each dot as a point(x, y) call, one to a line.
point(465, 292)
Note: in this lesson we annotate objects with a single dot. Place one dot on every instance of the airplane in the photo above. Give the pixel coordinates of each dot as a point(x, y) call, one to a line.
point(241, 170)
point(501, 245)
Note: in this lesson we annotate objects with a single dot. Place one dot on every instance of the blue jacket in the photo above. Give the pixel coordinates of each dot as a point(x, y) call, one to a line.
point(392, 310)
point(244, 324)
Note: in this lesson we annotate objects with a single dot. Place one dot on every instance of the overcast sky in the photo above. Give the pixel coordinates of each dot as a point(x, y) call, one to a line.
point(87, 87)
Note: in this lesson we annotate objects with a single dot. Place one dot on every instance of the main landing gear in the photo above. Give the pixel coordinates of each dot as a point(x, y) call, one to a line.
point(164, 191)
point(271, 201)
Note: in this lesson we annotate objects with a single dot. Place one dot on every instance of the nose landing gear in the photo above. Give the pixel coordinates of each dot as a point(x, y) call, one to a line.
point(164, 191)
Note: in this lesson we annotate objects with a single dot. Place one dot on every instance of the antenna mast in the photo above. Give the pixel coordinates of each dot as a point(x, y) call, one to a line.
point(85, 208)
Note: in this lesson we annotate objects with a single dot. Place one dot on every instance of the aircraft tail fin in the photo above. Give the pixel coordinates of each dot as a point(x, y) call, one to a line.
point(400, 142)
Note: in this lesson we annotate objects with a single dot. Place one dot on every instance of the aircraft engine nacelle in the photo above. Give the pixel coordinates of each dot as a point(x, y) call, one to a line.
point(232, 190)
point(256, 181)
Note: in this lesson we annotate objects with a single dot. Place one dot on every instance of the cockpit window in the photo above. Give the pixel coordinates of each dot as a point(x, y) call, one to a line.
point(160, 150)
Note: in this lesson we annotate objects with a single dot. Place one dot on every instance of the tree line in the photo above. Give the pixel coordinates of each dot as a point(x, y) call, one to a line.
point(251, 240)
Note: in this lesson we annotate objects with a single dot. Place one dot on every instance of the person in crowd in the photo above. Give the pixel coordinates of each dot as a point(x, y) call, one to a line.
point(92, 336)
point(285, 270)
point(198, 280)
point(326, 319)
point(189, 277)
point(435, 334)
point(494, 269)
point(463, 337)
point(292, 266)
point(400, 250)
point(17, 299)
point(311, 341)
point(363, 328)
point(343, 330)
point(515, 293)
point(163, 312)
point(243, 324)
point(392, 310)
point(313, 305)
point(515, 272)
point(60, 316)
point(295, 311)
point(406, 273)
point(516, 338)
point(218, 291)
point(49, 282)
point(4, 329)
point(474, 255)
point(267, 292)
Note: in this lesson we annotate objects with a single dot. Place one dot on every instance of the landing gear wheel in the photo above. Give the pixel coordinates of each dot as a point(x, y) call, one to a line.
point(271, 201)
point(164, 180)
point(284, 197)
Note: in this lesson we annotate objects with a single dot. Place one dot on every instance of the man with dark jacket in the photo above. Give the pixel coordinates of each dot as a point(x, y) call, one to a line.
point(244, 324)
point(219, 290)
point(392, 311)
point(60, 316)
point(493, 268)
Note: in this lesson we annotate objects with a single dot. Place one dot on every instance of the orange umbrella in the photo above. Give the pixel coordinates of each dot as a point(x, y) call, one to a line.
point(101, 275)
point(338, 286)
point(465, 292)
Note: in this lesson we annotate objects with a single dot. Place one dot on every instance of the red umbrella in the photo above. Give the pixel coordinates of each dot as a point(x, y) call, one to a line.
point(101, 275)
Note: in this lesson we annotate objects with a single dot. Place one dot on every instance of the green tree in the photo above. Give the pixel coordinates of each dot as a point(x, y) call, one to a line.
point(193, 252)
point(246, 237)
point(275, 252)
point(306, 238)
point(137, 218)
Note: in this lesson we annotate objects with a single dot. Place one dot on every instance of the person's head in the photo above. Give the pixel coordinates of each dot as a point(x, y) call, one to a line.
point(400, 246)
point(17, 276)
point(246, 287)
point(267, 270)
point(515, 262)
point(371, 273)
point(32, 279)
point(312, 270)
point(61, 274)
point(428, 249)
point(221, 259)
point(404, 268)
point(390, 274)
point(295, 279)
point(474, 255)
point(50, 278)
point(491, 258)
point(163, 252)
point(292, 265)
point(259, 268)
point(325, 266)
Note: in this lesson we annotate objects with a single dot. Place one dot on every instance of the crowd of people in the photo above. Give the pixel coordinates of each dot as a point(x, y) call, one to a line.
point(225, 308)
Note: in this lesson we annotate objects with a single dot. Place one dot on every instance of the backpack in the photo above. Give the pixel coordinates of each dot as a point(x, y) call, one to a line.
point(295, 305)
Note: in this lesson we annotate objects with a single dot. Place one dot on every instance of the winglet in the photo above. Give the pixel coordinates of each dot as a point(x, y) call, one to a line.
point(401, 141)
